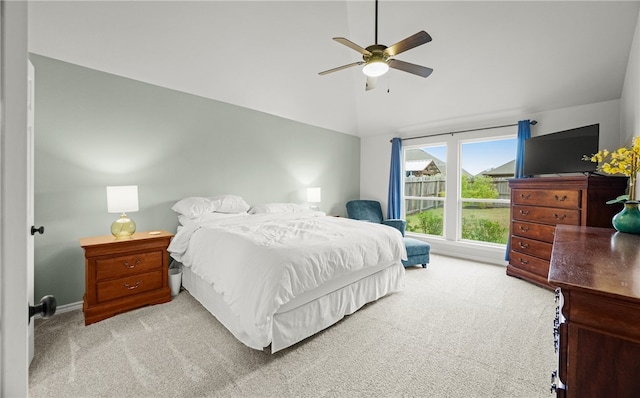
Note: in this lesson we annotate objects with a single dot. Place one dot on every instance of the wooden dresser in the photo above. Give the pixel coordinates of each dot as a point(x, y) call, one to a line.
point(125, 273)
point(539, 204)
point(597, 327)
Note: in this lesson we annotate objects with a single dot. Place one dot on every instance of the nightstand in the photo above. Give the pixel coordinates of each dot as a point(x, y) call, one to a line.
point(122, 274)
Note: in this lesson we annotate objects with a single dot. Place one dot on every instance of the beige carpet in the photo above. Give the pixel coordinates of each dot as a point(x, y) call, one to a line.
point(458, 329)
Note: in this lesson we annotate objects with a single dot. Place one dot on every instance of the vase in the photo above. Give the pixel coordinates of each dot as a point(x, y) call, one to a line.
point(628, 220)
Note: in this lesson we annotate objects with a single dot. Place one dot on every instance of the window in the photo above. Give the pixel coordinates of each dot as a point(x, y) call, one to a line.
point(425, 171)
point(458, 189)
point(484, 189)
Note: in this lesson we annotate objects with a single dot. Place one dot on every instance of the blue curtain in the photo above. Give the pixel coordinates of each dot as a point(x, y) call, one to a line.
point(524, 133)
point(394, 202)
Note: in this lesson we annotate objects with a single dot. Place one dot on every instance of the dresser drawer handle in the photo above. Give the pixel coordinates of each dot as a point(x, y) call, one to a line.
point(127, 265)
point(523, 196)
point(523, 261)
point(523, 245)
point(560, 198)
point(524, 212)
point(524, 229)
point(128, 286)
point(559, 218)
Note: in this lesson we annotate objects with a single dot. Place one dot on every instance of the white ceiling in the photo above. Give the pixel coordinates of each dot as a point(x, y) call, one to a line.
point(489, 57)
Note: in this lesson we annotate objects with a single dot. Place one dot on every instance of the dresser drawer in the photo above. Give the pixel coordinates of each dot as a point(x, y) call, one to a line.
point(129, 286)
point(118, 267)
point(546, 215)
point(529, 263)
point(546, 198)
point(535, 231)
point(531, 247)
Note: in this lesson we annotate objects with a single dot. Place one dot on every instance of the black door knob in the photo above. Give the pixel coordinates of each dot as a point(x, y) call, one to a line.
point(46, 308)
point(38, 230)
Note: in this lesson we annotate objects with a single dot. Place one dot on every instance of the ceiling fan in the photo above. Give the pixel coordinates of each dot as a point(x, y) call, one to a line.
point(378, 58)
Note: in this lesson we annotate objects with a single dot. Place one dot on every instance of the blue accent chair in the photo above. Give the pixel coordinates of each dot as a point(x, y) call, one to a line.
point(370, 210)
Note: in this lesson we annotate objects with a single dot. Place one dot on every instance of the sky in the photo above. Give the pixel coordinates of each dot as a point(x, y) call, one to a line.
point(480, 156)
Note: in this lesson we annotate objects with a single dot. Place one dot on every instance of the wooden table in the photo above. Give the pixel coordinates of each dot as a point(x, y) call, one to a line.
point(597, 271)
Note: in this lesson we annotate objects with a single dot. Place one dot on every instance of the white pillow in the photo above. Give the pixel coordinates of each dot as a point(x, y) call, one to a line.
point(193, 206)
point(229, 204)
point(208, 218)
point(278, 208)
point(185, 221)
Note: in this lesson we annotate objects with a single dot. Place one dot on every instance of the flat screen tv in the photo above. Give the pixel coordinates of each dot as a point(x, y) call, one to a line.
point(561, 152)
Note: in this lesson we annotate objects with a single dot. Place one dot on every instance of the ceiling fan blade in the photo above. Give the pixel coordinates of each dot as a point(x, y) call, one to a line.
point(371, 83)
point(410, 42)
point(340, 68)
point(411, 68)
point(351, 45)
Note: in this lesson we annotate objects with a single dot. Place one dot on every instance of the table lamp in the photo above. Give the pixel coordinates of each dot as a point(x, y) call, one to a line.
point(122, 199)
point(314, 195)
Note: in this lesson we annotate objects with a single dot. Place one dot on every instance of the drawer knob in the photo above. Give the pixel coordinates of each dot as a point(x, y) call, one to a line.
point(523, 245)
point(560, 198)
point(559, 217)
point(524, 212)
point(524, 229)
point(126, 264)
point(523, 196)
point(131, 287)
point(522, 261)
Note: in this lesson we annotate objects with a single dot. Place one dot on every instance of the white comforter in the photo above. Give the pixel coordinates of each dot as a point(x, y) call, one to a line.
point(259, 262)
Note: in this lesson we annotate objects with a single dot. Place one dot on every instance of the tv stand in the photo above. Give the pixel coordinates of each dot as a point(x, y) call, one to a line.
point(539, 204)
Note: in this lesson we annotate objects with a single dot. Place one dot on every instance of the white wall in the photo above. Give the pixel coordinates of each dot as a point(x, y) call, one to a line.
point(630, 100)
point(376, 151)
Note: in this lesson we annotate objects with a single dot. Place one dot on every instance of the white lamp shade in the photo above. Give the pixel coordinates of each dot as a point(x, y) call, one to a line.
point(122, 199)
point(314, 195)
point(375, 68)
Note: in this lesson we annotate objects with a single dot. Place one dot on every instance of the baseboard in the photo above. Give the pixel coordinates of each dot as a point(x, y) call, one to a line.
point(485, 253)
point(65, 308)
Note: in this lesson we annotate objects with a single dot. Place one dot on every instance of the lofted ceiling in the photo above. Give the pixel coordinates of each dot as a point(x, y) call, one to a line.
point(489, 57)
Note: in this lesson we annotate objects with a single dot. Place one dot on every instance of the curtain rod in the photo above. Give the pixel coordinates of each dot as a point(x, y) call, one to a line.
point(533, 122)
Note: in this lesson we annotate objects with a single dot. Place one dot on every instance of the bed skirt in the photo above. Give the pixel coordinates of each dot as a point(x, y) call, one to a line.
point(311, 312)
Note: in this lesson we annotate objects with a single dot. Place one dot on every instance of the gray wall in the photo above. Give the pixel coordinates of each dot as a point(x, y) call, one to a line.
point(95, 129)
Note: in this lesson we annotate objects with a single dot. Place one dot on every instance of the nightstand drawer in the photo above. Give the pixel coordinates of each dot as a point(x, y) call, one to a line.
point(118, 267)
point(546, 198)
point(129, 286)
point(546, 215)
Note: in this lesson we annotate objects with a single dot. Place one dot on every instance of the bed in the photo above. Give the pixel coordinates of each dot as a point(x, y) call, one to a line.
point(276, 274)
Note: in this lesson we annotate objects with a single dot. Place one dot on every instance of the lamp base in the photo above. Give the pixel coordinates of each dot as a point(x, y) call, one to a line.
point(123, 227)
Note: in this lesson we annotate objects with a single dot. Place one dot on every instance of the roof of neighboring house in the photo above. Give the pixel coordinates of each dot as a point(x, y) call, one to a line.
point(417, 165)
point(505, 170)
point(411, 155)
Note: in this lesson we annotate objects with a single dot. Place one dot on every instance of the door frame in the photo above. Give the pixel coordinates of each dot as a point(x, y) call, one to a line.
point(14, 232)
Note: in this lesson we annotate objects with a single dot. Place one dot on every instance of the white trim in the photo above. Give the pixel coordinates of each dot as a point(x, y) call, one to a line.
point(468, 250)
point(14, 233)
point(69, 307)
point(65, 308)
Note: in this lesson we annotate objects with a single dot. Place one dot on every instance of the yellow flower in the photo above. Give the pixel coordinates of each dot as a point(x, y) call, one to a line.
point(624, 160)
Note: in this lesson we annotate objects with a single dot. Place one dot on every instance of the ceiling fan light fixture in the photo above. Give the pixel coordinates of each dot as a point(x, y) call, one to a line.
point(375, 68)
